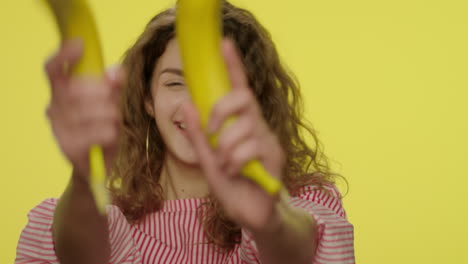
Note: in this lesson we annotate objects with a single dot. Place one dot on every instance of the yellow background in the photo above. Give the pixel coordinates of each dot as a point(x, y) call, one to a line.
point(385, 84)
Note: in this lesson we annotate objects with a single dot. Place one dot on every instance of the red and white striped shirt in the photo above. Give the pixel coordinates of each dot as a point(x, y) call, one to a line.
point(175, 235)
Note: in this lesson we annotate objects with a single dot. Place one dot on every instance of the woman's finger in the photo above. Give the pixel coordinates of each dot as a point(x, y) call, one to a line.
point(116, 77)
point(58, 66)
point(234, 65)
point(243, 153)
point(232, 135)
point(201, 146)
point(233, 103)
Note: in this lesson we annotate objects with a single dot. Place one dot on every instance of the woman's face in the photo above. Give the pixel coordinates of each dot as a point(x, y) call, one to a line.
point(169, 92)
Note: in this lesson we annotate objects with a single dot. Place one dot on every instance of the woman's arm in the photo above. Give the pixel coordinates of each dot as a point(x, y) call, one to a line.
point(83, 111)
point(331, 233)
point(283, 234)
point(291, 237)
point(80, 233)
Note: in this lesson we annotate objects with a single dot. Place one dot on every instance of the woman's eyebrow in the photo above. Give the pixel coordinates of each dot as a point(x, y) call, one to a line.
point(173, 71)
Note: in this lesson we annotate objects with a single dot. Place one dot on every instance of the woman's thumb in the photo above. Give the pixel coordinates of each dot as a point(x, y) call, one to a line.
point(115, 75)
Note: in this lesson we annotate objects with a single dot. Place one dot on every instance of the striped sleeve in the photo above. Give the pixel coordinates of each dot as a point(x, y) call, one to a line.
point(36, 244)
point(123, 247)
point(335, 239)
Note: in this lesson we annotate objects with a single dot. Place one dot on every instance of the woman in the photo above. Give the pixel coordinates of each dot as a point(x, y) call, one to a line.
point(176, 199)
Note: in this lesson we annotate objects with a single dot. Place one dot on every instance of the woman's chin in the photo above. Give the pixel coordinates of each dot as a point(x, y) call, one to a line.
point(190, 161)
point(188, 158)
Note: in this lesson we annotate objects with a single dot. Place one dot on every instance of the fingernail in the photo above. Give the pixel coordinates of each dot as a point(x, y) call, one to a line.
point(112, 72)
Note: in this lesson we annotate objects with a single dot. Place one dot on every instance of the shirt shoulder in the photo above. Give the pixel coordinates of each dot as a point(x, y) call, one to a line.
point(36, 244)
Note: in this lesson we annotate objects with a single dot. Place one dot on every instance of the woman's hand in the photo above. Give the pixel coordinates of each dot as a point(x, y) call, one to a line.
point(83, 110)
point(248, 137)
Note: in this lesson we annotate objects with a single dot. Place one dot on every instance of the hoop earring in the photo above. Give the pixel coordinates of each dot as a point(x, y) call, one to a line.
point(147, 149)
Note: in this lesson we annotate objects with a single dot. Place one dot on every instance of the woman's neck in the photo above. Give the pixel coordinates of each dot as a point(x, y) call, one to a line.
point(181, 181)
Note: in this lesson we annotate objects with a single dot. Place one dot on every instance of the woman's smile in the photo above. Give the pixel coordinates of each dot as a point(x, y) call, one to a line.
point(180, 126)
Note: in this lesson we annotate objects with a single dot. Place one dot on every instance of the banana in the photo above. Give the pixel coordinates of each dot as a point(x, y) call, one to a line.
point(75, 20)
point(198, 31)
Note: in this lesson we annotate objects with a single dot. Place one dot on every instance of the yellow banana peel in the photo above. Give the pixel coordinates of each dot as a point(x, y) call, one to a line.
point(199, 34)
point(75, 20)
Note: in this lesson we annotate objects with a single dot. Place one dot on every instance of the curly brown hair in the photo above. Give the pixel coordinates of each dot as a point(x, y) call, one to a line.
point(275, 88)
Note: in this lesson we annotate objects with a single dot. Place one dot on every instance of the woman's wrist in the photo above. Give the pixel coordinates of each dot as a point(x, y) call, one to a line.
point(289, 236)
point(79, 178)
point(276, 221)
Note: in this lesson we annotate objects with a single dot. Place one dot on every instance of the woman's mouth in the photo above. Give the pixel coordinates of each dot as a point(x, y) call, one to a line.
point(180, 126)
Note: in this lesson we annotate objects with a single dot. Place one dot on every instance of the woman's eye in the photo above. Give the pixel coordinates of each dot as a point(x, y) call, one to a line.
point(175, 84)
